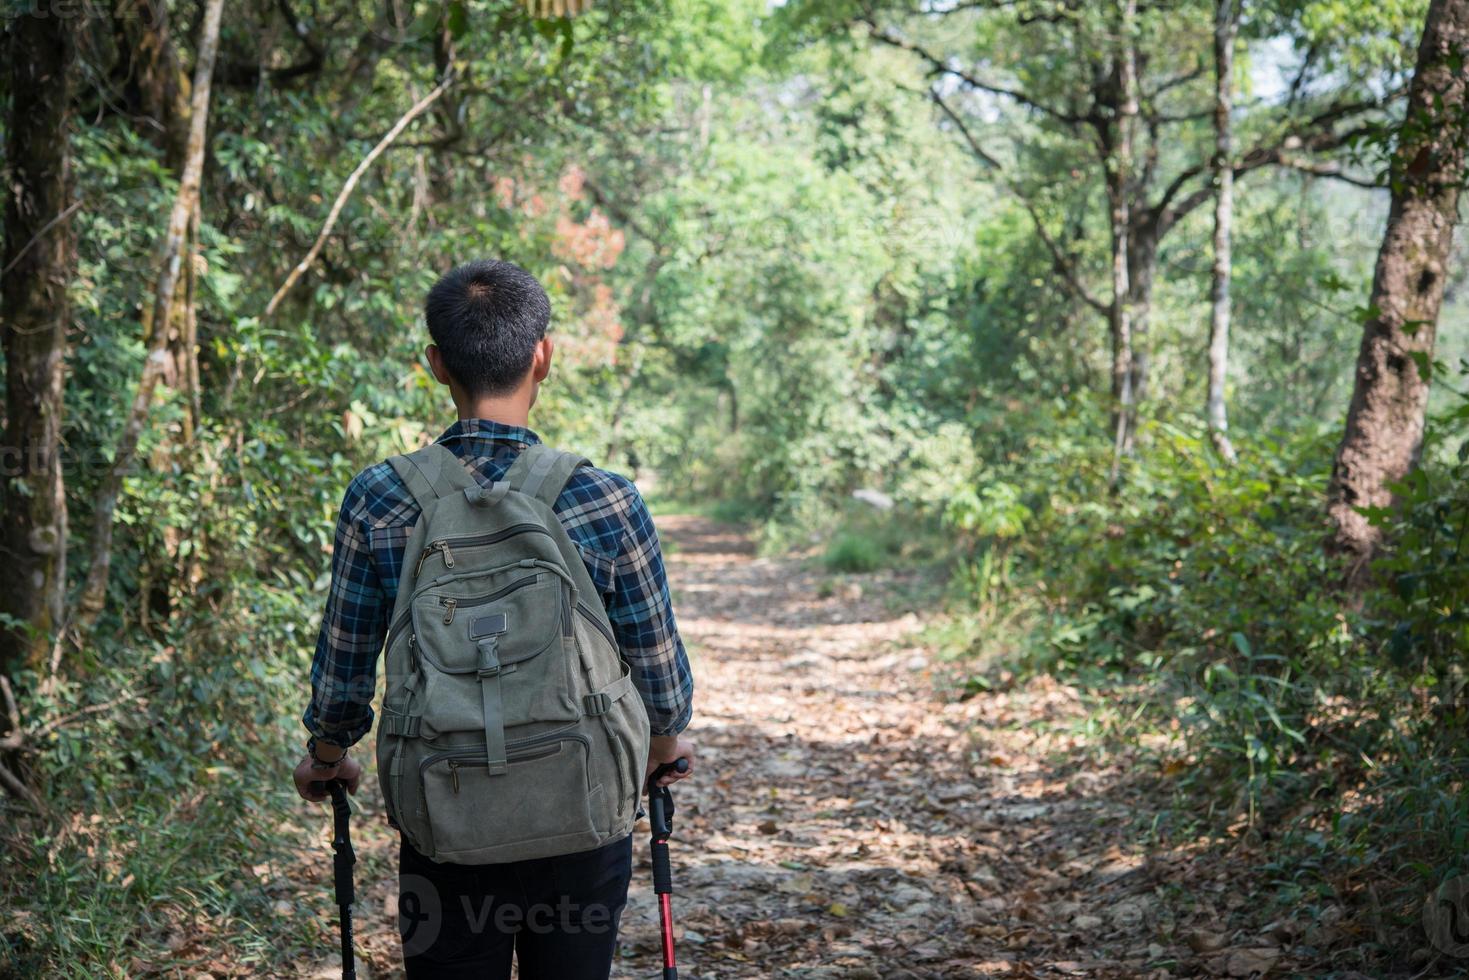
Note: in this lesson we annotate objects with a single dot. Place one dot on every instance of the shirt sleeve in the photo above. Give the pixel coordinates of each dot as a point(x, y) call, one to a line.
point(641, 612)
point(344, 669)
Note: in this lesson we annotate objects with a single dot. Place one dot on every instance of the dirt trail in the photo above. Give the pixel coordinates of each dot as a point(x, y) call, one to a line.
point(849, 820)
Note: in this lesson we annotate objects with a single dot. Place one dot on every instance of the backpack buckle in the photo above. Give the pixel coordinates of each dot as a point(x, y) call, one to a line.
point(489, 656)
point(597, 704)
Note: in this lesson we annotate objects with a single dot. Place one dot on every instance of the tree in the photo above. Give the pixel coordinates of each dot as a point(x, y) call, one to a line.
point(1226, 30)
point(1115, 137)
point(173, 259)
point(1384, 427)
point(1118, 86)
point(157, 93)
point(38, 266)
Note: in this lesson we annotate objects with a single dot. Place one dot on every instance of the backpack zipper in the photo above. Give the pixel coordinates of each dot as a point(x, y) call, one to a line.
point(554, 735)
point(474, 541)
point(480, 600)
point(480, 763)
point(514, 749)
point(435, 546)
point(591, 617)
point(397, 627)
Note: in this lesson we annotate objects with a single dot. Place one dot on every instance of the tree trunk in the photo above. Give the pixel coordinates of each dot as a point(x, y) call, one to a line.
point(1384, 428)
point(1142, 268)
point(39, 264)
point(1119, 315)
point(152, 80)
point(1119, 189)
point(1216, 412)
point(158, 95)
point(157, 362)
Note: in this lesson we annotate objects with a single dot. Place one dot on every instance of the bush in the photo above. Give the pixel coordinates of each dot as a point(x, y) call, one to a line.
point(1200, 600)
point(849, 552)
point(1205, 584)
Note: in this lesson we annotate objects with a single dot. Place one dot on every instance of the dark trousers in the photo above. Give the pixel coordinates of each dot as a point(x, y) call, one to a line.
point(558, 915)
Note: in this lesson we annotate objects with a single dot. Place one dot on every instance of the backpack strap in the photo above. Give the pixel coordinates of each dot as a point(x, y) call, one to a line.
point(542, 472)
point(432, 472)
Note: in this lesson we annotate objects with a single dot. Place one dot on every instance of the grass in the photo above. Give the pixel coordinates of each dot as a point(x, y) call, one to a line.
point(116, 895)
point(853, 553)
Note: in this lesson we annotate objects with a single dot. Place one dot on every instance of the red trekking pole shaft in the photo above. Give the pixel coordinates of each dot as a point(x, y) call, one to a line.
point(660, 819)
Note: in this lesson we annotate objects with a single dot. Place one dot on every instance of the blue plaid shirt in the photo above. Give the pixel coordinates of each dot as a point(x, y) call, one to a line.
point(605, 517)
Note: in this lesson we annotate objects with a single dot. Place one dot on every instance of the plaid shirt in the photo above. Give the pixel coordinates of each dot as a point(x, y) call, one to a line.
point(605, 517)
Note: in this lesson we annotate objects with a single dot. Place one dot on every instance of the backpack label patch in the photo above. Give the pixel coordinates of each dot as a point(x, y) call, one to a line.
point(486, 625)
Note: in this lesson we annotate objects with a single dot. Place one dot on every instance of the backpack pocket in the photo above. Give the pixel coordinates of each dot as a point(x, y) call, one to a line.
point(543, 799)
point(519, 612)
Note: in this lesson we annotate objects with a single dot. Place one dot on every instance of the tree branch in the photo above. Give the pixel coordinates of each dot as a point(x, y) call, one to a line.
point(15, 738)
point(1285, 151)
point(1299, 82)
point(13, 741)
point(1174, 82)
point(1327, 168)
point(351, 184)
point(234, 74)
point(1063, 265)
point(979, 152)
point(58, 219)
point(941, 67)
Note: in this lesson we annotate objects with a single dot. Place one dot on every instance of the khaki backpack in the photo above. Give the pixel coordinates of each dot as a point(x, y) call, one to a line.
point(510, 727)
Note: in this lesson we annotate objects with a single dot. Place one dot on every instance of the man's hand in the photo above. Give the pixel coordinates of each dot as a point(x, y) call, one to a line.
point(669, 748)
point(347, 769)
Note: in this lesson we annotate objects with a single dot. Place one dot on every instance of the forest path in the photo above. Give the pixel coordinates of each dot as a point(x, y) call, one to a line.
point(851, 819)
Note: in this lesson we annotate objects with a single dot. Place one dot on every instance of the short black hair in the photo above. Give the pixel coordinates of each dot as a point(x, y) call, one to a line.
point(486, 317)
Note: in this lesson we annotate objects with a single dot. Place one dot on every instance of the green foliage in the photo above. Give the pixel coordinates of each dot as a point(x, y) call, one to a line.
point(1197, 601)
point(1424, 607)
point(162, 745)
point(850, 552)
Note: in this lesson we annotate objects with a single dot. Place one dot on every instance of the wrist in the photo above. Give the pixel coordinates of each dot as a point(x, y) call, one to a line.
point(325, 754)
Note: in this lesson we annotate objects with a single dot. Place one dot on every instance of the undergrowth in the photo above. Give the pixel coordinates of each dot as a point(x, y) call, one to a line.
point(164, 810)
point(1198, 611)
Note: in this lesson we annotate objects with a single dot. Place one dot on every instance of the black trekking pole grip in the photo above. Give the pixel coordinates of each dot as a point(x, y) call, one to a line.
point(677, 765)
point(660, 821)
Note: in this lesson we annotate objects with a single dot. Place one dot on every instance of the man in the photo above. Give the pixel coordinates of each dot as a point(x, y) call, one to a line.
point(558, 914)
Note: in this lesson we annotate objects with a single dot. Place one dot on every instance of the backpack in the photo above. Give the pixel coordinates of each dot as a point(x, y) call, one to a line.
point(510, 727)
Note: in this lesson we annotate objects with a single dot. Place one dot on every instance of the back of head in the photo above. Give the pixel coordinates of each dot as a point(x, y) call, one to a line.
point(486, 318)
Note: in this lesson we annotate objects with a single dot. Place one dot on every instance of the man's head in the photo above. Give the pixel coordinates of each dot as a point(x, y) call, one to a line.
point(488, 322)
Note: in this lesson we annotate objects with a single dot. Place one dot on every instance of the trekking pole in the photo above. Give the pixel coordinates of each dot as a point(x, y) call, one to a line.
point(660, 819)
point(343, 858)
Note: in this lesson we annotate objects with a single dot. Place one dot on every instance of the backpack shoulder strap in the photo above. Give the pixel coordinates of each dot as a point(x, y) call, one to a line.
point(542, 472)
point(432, 472)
